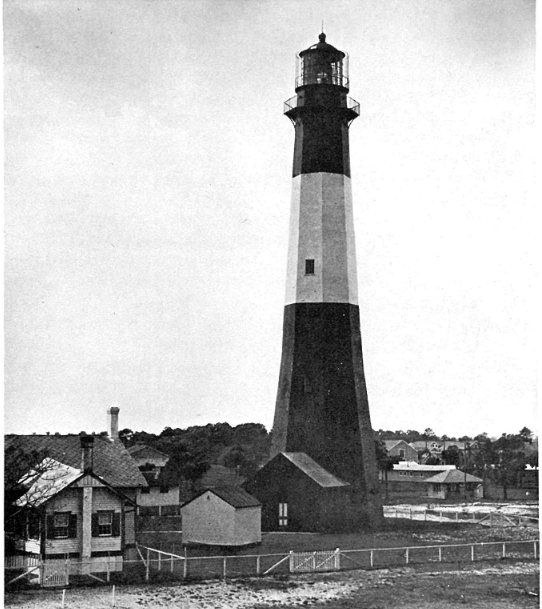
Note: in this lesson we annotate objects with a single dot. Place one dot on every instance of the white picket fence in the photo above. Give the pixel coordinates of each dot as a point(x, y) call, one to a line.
point(207, 567)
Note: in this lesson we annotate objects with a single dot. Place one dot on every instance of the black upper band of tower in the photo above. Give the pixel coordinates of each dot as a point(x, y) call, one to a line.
point(322, 112)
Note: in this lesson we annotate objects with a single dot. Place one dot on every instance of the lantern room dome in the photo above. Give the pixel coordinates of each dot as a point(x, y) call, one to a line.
point(322, 45)
point(322, 64)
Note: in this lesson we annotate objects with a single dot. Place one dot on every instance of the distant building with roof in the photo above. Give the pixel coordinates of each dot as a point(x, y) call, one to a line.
point(455, 484)
point(401, 449)
point(222, 517)
point(298, 494)
point(158, 498)
point(81, 504)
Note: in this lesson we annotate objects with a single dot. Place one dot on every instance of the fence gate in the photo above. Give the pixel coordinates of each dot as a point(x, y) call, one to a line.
point(55, 575)
point(315, 561)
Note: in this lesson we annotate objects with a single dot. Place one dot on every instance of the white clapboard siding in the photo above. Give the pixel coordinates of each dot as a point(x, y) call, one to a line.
point(66, 501)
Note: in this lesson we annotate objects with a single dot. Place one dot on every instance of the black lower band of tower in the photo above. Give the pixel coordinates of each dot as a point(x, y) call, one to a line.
point(322, 407)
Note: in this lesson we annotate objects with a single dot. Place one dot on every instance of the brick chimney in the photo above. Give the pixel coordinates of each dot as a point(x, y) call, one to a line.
point(113, 422)
point(87, 453)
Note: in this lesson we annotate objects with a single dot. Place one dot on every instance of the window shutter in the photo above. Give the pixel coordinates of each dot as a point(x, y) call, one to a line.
point(72, 526)
point(50, 526)
point(116, 524)
point(95, 531)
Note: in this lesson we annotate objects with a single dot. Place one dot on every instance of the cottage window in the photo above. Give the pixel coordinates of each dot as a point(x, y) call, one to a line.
point(164, 489)
point(309, 266)
point(61, 524)
point(283, 514)
point(402, 453)
point(105, 524)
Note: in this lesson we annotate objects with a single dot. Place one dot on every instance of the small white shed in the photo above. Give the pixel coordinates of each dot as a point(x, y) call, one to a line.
point(222, 517)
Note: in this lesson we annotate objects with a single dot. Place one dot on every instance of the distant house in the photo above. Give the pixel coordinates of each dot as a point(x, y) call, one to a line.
point(297, 494)
point(455, 484)
point(427, 448)
point(410, 477)
point(82, 506)
point(222, 517)
point(157, 498)
point(149, 460)
point(401, 449)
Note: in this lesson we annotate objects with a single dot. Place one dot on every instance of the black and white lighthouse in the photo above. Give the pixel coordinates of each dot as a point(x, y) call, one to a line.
point(322, 410)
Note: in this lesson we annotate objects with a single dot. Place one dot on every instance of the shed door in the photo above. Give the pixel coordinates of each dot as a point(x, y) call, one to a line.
point(283, 514)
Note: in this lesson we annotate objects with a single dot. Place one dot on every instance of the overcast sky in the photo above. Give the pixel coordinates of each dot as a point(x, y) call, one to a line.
point(147, 189)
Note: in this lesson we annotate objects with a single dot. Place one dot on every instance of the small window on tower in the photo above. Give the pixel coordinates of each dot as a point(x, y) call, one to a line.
point(309, 266)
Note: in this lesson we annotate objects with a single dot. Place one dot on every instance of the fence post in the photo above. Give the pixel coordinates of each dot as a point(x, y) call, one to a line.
point(457, 516)
point(224, 566)
point(410, 513)
point(113, 596)
point(472, 553)
point(504, 550)
point(185, 565)
point(440, 520)
point(372, 558)
point(63, 597)
point(258, 564)
point(172, 564)
point(440, 554)
point(147, 571)
point(406, 556)
point(108, 576)
point(534, 547)
point(159, 561)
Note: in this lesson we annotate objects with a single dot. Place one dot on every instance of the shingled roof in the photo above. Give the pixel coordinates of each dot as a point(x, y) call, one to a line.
point(111, 461)
point(453, 476)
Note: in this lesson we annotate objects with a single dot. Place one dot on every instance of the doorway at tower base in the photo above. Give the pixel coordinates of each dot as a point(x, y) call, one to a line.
point(299, 495)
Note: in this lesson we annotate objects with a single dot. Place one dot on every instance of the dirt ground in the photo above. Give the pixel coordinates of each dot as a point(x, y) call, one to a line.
point(502, 585)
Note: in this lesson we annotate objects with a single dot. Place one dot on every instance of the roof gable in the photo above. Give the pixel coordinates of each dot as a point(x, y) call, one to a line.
point(111, 461)
point(140, 451)
point(236, 497)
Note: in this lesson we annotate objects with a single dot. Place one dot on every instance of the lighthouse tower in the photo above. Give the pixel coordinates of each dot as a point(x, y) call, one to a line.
point(322, 408)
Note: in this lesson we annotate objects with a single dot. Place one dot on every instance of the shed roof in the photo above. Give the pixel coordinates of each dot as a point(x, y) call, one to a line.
point(453, 476)
point(316, 472)
point(111, 461)
point(53, 477)
point(236, 497)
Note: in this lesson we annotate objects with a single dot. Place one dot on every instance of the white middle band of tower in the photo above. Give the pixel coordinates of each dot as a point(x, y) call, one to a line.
point(322, 229)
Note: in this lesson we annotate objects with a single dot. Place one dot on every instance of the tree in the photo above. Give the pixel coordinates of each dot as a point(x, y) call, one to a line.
point(384, 462)
point(184, 464)
point(527, 435)
point(245, 462)
point(452, 456)
point(510, 460)
point(22, 495)
point(126, 436)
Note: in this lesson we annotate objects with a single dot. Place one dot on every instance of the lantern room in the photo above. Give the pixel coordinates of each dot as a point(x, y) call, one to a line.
point(322, 64)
